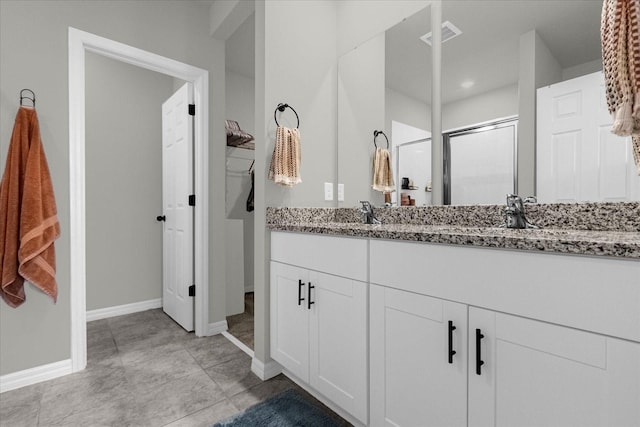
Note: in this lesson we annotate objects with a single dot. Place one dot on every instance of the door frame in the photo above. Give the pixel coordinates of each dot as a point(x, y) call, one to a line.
point(79, 43)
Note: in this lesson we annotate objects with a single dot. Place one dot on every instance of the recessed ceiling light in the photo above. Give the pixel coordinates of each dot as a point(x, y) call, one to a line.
point(467, 84)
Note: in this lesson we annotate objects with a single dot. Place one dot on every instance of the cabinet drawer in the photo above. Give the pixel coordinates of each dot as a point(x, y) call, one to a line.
point(340, 256)
point(595, 294)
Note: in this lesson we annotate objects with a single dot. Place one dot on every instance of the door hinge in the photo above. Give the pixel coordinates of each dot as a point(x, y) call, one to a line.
point(192, 109)
point(192, 290)
point(192, 200)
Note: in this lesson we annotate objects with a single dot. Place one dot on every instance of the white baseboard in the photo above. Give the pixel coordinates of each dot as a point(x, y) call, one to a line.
point(264, 371)
point(35, 375)
point(242, 346)
point(119, 310)
point(217, 328)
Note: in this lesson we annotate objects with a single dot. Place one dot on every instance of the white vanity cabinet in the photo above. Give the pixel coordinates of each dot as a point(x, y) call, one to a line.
point(526, 372)
point(562, 369)
point(418, 359)
point(319, 315)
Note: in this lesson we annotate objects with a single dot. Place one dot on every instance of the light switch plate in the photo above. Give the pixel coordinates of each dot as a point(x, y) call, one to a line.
point(341, 192)
point(328, 190)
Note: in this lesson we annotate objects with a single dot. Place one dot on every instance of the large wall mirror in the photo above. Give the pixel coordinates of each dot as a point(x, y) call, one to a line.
point(516, 76)
point(384, 85)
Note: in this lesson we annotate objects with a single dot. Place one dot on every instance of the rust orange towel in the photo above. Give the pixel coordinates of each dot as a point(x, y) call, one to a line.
point(28, 217)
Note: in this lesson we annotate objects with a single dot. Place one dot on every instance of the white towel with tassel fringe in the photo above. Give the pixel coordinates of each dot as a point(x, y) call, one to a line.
point(285, 161)
point(620, 34)
point(382, 173)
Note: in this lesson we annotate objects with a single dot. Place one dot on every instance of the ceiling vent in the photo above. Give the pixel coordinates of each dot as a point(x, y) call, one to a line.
point(449, 31)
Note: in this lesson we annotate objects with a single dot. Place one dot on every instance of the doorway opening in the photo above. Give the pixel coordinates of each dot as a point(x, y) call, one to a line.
point(240, 160)
point(81, 42)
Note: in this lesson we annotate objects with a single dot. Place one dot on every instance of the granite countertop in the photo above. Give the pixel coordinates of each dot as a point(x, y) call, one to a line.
point(607, 242)
point(581, 242)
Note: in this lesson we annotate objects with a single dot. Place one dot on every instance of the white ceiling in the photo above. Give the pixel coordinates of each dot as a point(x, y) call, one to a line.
point(487, 50)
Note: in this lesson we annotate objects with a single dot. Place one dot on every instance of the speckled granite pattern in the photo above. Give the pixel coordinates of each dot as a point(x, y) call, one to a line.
point(293, 215)
point(603, 229)
point(622, 216)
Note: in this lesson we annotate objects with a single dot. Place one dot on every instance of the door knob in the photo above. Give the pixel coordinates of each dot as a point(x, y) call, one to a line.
point(161, 218)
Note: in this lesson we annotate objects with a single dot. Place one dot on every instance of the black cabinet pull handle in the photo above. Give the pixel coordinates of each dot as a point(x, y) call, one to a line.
point(161, 218)
point(309, 302)
point(479, 361)
point(451, 350)
point(300, 298)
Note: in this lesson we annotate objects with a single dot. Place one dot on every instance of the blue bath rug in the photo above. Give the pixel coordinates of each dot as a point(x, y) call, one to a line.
point(288, 409)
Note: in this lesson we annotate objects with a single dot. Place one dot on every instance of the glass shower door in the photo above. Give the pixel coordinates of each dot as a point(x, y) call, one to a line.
point(480, 164)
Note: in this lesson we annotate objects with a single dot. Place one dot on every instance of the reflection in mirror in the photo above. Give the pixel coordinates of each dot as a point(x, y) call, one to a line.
point(480, 163)
point(507, 56)
point(370, 98)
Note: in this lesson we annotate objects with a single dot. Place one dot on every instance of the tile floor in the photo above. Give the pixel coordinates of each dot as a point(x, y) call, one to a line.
point(144, 370)
point(241, 325)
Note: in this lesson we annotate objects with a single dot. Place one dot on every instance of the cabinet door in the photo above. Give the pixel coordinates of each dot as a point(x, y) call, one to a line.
point(290, 319)
point(412, 381)
point(338, 347)
point(539, 374)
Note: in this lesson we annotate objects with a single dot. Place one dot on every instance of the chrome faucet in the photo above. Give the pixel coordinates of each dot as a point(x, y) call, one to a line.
point(514, 214)
point(368, 215)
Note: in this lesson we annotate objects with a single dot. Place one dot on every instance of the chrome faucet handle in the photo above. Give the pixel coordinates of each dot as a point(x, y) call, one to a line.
point(368, 214)
point(512, 199)
point(514, 212)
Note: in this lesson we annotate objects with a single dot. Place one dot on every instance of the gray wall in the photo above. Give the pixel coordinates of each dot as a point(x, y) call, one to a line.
point(33, 54)
point(582, 69)
point(499, 103)
point(361, 103)
point(279, 26)
point(407, 110)
point(123, 152)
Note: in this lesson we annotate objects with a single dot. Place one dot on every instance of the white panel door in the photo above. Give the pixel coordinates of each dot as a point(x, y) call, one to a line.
point(539, 374)
point(290, 318)
point(578, 158)
point(414, 381)
point(338, 347)
point(177, 185)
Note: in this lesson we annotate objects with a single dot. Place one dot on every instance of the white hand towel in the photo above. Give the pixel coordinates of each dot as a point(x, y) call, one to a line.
point(382, 173)
point(286, 158)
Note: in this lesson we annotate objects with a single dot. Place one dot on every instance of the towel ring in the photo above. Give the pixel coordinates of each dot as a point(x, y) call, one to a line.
point(32, 99)
point(375, 135)
point(281, 107)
